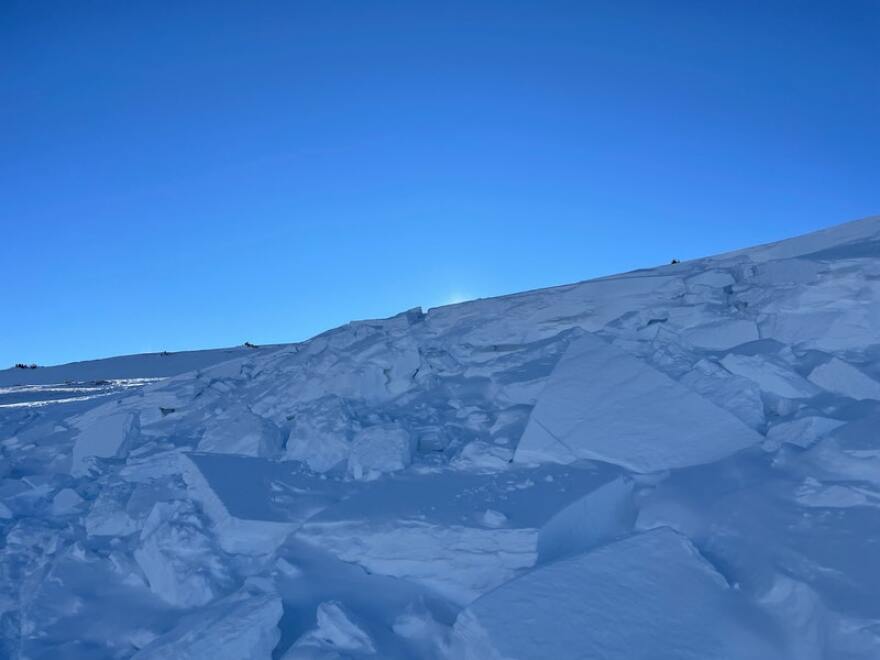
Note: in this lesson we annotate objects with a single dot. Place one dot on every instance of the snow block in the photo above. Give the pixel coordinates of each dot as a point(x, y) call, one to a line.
point(321, 434)
point(603, 404)
point(598, 517)
point(65, 502)
point(242, 626)
point(843, 378)
point(458, 562)
point(721, 335)
point(802, 432)
point(177, 556)
point(770, 376)
point(103, 437)
point(646, 597)
point(334, 633)
point(379, 449)
point(239, 431)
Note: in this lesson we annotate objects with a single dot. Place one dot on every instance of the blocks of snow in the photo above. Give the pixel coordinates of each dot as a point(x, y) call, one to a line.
point(379, 449)
point(177, 556)
point(334, 633)
point(596, 518)
point(480, 455)
point(458, 562)
point(843, 378)
point(239, 431)
point(603, 404)
point(802, 432)
point(770, 376)
point(739, 395)
point(65, 502)
point(321, 434)
point(721, 335)
point(105, 436)
point(648, 596)
point(243, 626)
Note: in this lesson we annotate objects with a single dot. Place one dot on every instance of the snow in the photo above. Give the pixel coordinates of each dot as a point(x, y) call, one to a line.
point(603, 404)
point(379, 449)
point(105, 438)
point(842, 378)
point(460, 562)
point(802, 432)
point(333, 632)
point(242, 626)
point(650, 593)
point(721, 335)
point(770, 376)
point(678, 462)
point(65, 502)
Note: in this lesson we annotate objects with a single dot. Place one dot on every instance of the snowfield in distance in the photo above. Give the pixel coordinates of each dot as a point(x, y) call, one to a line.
point(680, 462)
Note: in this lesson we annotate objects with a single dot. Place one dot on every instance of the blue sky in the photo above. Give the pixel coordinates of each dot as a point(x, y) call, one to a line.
point(184, 175)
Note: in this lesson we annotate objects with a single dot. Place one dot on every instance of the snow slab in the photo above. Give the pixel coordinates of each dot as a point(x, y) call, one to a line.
point(769, 375)
point(335, 635)
point(601, 403)
point(843, 378)
point(242, 626)
point(105, 437)
point(646, 597)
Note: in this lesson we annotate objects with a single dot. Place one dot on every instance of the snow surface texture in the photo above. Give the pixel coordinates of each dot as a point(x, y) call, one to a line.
point(681, 462)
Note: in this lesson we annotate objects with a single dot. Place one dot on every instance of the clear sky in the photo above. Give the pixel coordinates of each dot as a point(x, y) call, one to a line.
point(196, 174)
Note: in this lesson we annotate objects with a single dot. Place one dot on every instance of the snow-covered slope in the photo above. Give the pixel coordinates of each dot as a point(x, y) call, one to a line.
point(681, 462)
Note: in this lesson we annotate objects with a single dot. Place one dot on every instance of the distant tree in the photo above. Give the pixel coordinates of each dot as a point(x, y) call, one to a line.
point(247, 344)
point(674, 261)
point(22, 365)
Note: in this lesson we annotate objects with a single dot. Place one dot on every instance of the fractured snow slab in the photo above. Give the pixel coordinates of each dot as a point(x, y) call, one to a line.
point(722, 335)
point(843, 378)
point(239, 431)
point(769, 376)
point(378, 449)
point(648, 596)
point(603, 404)
point(459, 562)
point(102, 437)
point(335, 632)
point(802, 432)
point(242, 626)
point(596, 518)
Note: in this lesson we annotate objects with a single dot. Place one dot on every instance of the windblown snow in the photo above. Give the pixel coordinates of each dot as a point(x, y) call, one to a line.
point(681, 462)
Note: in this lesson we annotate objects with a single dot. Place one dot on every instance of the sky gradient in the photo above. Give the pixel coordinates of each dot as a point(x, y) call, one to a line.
point(193, 175)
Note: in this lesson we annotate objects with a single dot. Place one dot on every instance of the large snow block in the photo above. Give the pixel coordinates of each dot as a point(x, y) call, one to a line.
point(103, 437)
point(177, 556)
point(335, 635)
point(722, 335)
point(456, 561)
point(843, 378)
point(379, 449)
point(646, 597)
point(602, 403)
point(596, 518)
point(242, 626)
point(239, 431)
point(770, 376)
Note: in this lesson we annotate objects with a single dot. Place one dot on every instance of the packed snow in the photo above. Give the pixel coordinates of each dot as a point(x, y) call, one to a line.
point(680, 462)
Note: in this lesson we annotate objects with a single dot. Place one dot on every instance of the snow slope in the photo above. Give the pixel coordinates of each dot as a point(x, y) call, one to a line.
point(678, 462)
